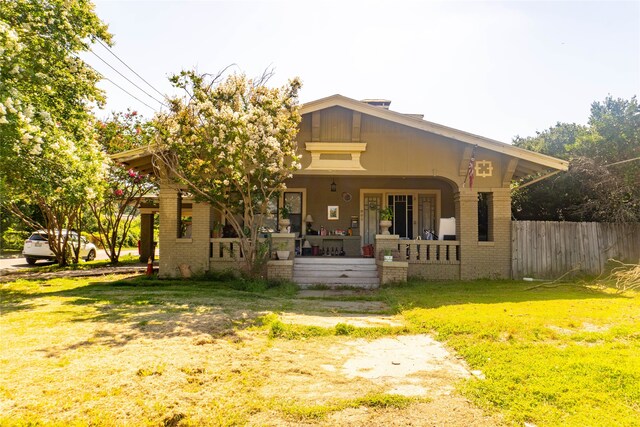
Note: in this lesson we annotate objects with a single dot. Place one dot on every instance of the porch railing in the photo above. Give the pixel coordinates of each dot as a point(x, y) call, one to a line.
point(430, 251)
point(225, 249)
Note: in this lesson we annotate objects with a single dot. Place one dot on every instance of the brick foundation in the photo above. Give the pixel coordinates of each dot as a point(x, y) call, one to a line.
point(280, 270)
point(392, 272)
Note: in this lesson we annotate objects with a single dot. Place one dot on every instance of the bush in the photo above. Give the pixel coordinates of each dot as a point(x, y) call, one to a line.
point(14, 239)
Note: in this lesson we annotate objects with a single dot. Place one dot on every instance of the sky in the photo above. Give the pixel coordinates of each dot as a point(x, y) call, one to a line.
point(496, 69)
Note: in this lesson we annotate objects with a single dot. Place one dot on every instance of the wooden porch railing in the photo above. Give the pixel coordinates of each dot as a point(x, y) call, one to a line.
point(430, 251)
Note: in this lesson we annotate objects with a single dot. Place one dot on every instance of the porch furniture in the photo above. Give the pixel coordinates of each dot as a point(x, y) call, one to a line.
point(349, 244)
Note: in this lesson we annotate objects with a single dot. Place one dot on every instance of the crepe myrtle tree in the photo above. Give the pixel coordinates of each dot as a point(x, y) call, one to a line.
point(123, 189)
point(231, 142)
point(47, 144)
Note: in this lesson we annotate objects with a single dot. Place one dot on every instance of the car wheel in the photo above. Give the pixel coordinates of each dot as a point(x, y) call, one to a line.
point(91, 255)
point(31, 261)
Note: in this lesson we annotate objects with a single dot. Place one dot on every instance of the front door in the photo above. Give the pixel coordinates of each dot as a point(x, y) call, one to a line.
point(402, 206)
point(371, 218)
point(427, 215)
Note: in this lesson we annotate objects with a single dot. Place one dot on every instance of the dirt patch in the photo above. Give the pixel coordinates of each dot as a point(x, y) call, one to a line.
point(327, 370)
point(68, 361)
point(445, 411)
point(9, 276)
point(410, 365)
point(330, 321)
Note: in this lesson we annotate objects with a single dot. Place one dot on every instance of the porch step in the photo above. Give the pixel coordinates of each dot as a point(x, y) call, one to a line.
point(336, 271)
point(315, 260)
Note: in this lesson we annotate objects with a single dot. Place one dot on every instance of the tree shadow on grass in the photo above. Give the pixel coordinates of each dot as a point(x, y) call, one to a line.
point(138, 308)
point(125, 311)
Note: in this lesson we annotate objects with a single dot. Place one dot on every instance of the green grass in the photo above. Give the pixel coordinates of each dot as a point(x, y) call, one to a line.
point(562, 356)
point(565, 356)
point(304, 412)
point(124, 260)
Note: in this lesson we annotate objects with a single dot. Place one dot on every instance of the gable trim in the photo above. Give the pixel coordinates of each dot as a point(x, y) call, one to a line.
point(416, 123)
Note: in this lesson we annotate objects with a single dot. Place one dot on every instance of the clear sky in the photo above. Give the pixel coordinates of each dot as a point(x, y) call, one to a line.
point(496, 69)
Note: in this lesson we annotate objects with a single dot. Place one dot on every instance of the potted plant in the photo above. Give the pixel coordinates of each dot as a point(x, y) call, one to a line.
point(217, 230)
point(282, 251)
point(387, 255)
point(284, 218)
point(386, 215)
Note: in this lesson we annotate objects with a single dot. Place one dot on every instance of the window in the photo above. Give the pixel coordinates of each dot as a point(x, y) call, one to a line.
point(293, 200)
point(485, 216)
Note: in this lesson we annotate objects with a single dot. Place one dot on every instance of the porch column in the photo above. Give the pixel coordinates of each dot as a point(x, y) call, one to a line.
point(146, 237)
point(466, 201)
point(197, 255)
point(169, 211)
point(500, 225)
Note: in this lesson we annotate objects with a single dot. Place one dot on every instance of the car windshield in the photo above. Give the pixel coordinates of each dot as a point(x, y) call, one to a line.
point(38, 237)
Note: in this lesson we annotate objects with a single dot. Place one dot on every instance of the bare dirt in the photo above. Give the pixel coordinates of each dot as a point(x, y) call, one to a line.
point(146, 366)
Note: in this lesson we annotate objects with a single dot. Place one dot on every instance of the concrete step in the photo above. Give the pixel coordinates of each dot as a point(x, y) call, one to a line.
point(365, 282)
point(334, 260)
point(334, 273)
point(341, 267)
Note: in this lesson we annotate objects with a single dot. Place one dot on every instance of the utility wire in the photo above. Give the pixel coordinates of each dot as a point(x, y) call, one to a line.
point(112, 82)
point(125, 64)
point(125, 91)
point(127, 79)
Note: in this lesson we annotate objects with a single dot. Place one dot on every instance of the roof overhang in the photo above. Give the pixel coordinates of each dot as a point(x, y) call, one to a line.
point(140, 159)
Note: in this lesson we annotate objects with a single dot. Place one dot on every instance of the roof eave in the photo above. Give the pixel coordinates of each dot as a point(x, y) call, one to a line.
point(449, 132)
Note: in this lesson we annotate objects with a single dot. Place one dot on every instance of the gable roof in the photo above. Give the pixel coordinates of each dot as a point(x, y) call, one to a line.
point(529, 161)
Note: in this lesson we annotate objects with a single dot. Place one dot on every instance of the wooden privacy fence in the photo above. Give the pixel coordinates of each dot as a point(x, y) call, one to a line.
point(545, 249)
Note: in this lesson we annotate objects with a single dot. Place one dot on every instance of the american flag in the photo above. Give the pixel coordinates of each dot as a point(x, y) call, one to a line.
point(472, 167)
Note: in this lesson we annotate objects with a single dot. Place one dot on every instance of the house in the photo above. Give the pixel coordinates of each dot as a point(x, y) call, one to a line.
point(359, 157)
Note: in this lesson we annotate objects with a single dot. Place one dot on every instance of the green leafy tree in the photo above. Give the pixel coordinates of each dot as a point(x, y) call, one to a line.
point(123, 190)
point(603, 181)
point(232, 143)
point(47, 141)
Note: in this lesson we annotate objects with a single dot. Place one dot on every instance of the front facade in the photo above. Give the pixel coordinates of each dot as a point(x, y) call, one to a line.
point(358, 157)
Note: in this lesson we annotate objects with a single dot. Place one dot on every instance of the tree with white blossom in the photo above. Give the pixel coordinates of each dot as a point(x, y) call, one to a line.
point(231, 142)
point(47, 141)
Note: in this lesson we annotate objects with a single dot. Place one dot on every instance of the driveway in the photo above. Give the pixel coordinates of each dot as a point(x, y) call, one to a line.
point(17, 263)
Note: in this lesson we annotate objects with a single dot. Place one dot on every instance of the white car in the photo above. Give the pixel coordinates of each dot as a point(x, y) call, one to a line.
point(37, 247)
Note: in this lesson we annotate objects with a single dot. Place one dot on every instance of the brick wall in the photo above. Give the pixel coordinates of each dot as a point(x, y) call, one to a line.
point(384, 242)
point(278, 270)
point(392, 272)
point(484, 259)
point(434, 271)
point(192, 251)
point(283, 242)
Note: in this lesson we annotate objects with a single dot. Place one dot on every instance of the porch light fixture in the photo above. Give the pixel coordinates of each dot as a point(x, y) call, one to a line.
point(333, 185)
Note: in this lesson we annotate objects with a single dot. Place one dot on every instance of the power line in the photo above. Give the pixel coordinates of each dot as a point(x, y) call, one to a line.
point(125, 91)
point(127, 79)
point(113, 83)
point(125, 64)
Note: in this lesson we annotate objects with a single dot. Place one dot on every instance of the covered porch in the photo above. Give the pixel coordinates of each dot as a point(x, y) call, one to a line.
point(478, 244)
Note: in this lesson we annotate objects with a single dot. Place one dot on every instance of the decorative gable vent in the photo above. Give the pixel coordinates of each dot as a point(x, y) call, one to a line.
point(343, 156)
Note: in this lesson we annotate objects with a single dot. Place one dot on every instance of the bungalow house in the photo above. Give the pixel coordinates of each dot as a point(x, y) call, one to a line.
point(359, 157)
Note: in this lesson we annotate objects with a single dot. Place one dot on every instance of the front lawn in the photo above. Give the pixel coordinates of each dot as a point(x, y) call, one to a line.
point(113, 351)
point(562, 356)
